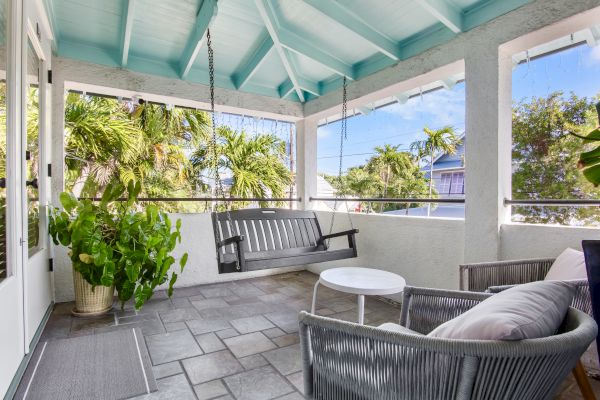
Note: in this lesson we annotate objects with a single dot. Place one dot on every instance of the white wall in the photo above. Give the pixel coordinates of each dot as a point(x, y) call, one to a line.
point(197, 240)
point(519, 241)
point(425, 251)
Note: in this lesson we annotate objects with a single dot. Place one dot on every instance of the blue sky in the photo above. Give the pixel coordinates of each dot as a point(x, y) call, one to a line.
point(576, 69)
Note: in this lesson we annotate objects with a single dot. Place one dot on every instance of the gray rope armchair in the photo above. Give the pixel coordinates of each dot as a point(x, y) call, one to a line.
point(500, 275)
point(343, 360)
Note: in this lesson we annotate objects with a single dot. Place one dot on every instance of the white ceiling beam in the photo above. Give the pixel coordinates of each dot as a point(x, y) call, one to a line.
point(102, 79)
point(444, 12)
point(401, 98)
point(449, 83)
point(127, 27)
point(364, 110)
point(257, 57)
point(206, 14)
point(294, 42)
point(592, 36)
point(268, 16)
point(309, 86)
point(340, 14)
point(285, 89)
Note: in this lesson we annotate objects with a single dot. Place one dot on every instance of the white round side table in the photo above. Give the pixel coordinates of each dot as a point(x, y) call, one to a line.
point(359, 281)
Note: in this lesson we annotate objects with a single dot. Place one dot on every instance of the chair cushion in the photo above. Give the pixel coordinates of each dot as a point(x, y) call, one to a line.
point(528, 311)
point(389, 326)
point(569, 265)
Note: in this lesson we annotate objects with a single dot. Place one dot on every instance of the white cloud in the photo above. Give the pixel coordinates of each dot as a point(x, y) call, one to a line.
point(594, 56)
point(323, 132)
point(442, 107)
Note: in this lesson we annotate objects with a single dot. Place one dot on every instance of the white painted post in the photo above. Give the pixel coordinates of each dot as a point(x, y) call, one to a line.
point(488, 76)
point(306, 171)
point(58, 136)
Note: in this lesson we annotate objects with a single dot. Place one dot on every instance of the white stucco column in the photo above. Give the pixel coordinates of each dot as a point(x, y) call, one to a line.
point(58, 136)
point(488, 76)
point(306, 155)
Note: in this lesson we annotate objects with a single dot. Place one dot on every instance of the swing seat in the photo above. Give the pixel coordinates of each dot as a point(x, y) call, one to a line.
point(274, 237)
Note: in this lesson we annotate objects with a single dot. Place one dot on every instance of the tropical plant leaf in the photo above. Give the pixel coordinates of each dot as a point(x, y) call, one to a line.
point(68, 201)
point(171, 283)
point(183, 260)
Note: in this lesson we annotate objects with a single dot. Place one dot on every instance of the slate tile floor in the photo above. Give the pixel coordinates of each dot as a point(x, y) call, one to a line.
point(235, 340)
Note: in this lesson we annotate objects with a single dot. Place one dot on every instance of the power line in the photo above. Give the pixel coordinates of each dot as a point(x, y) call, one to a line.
point(355, 154)
point(459, 126)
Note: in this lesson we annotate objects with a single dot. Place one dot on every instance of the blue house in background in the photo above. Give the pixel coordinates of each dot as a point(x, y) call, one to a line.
point(449, 173)
point(449, 183)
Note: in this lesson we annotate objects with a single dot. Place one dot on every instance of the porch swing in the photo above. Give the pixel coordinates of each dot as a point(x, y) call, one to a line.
point(262, 238)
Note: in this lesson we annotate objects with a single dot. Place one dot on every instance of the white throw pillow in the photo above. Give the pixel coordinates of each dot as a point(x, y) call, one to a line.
point(528, 311)
point(569, 265)
point(389, 326)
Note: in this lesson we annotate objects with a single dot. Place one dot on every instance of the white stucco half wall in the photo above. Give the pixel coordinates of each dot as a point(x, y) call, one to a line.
point(522, 241)
point(424, 251)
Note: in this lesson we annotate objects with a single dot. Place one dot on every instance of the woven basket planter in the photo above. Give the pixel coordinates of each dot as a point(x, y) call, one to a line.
point(90, 302)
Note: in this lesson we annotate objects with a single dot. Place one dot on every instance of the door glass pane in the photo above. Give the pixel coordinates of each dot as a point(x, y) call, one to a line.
point(3, 56)
point(32, 154)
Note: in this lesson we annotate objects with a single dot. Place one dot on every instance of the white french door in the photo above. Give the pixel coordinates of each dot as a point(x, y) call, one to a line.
point(36, 274)
point(12, 321)
point(25, 284)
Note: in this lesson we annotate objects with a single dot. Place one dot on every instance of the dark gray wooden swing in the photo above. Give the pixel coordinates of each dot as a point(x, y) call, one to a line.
point(274, 237)
point(254, 239)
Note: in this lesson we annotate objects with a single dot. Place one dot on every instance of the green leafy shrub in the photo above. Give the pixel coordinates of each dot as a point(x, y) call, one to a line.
point(113, 244)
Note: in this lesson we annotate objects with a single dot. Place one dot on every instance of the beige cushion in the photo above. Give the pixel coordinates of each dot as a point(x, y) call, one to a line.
point(388, 326)
point(569, 265)
point(527, 311)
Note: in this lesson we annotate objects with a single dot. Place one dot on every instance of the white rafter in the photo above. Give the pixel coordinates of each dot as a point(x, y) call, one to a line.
point(268, 17)
point(334, 10)
point(299, 45)
point(364, 110)
point(256, 57)
point(126, 29)
point(444, 12)
point(206, 14)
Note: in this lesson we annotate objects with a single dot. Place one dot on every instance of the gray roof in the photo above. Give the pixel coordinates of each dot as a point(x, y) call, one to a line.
point(441, 211)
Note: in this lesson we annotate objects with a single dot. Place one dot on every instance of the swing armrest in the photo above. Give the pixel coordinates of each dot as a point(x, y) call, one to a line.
point(230, 240)
point(349, 232)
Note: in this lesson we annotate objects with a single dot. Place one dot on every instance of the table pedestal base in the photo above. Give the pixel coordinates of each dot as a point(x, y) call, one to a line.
point(361, 305)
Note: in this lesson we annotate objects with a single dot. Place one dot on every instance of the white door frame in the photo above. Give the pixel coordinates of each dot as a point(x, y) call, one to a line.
point(12, 337)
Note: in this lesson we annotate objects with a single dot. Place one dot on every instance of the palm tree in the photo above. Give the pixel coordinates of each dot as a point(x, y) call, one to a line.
point(387, 163)
point(170, 134)
point(361, 183)
point(255, 163)
point(442, 140)
point(101, 139)
point(108, 140)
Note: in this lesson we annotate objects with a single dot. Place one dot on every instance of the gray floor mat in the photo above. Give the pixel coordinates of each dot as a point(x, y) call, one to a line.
point(112, 365)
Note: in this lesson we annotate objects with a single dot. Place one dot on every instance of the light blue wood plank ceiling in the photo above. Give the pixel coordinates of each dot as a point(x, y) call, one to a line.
point(293, 49)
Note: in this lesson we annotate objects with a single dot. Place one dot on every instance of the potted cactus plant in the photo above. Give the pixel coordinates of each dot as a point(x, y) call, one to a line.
point(115, 246)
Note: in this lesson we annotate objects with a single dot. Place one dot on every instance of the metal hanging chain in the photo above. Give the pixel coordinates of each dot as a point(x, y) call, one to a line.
point(218, 183)
point(343, 137)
